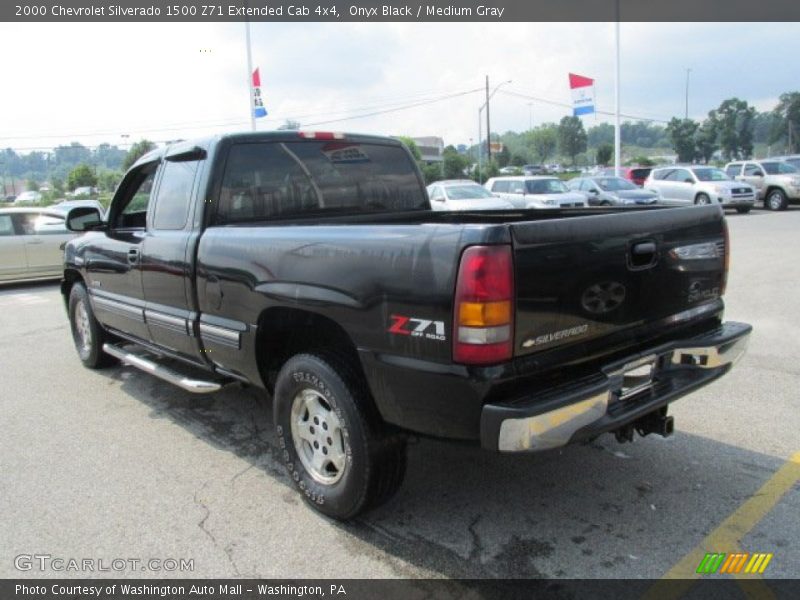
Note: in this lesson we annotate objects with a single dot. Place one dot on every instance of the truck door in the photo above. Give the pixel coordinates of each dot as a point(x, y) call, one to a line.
point(114, 267)
point(168, 258)
point(754, 175)
point(12, 250)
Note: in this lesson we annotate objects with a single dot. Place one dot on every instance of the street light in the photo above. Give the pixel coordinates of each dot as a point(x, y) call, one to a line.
point(488, 132)
point(686, 114)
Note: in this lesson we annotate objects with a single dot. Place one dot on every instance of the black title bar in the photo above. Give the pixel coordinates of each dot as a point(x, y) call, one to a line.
point(395, 11)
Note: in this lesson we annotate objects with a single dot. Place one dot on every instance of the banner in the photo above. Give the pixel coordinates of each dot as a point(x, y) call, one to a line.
point(258, 102)
point(582, 94)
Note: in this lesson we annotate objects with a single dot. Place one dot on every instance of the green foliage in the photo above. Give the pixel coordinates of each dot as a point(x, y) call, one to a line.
point(31, 185)
point(640, 161)
point(705, 140)
point(289, 125)
point(681, 134)
point(542, 142)
point(572, 139)
point(453, 164)
point(80, 176)
point(518, 160)
point(503, 157)
point(733, 122)
point(604, 154)
point(431, 172)
point(786, 123)
point(138, 150)
point(411, 145)
point(107, 180)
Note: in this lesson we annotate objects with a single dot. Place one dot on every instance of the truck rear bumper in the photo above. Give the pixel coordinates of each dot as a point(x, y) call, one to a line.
point(621, 393)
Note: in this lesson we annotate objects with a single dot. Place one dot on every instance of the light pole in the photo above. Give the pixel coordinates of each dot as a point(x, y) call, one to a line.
point(530, 116)
point(686, 112)
point(480, 110)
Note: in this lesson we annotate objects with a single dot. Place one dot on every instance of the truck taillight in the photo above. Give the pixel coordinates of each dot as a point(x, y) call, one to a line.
point(727, 259)
point(321, 135)
point(483, 322)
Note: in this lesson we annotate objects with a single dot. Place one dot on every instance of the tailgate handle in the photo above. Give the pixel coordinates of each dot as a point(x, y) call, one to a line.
point(643, 255)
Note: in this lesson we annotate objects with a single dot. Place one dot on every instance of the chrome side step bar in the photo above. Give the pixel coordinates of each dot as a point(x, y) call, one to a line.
point(196, 386)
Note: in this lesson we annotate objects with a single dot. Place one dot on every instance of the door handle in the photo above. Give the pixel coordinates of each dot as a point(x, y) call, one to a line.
point(642, 255)
point(133, 256)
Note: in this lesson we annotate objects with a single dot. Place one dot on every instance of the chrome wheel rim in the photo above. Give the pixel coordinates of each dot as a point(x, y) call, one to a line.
point(774, 201)
point(318, 436)
point(83, 330)
point(704, 200)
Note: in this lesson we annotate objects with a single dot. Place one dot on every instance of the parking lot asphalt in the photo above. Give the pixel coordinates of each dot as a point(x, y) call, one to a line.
point(116, 464)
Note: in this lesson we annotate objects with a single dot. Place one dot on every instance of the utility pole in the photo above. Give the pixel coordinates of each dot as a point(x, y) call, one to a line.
point(686, 112)
point(488, 127)
point(530, 116)
point(617, 152)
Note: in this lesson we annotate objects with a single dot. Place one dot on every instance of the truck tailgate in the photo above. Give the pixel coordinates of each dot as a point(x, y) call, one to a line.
point(584, 277)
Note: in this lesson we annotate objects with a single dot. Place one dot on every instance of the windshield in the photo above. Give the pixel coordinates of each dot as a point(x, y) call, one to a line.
point(467, 192)
point(614, 184)
point(778, 168)
point(545, 186)
point(711, 174)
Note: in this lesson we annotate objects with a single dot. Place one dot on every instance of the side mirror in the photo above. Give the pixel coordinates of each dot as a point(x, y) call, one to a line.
point(688, 180)
point(594, 192)
point(83, 218)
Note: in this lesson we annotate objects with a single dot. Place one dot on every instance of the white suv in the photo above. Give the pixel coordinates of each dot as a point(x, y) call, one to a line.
point(696, 184)
point(534, 192)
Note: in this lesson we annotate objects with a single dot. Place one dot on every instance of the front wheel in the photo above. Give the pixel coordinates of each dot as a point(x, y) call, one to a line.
point(776, 200)
point(338, 452)
point(87, 334)
point(702, 199)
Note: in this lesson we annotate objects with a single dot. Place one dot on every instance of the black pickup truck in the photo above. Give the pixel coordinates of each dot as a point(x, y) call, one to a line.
point(310, 265)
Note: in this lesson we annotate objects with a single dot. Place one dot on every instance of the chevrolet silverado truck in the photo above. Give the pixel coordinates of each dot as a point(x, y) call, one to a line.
point(310, 264)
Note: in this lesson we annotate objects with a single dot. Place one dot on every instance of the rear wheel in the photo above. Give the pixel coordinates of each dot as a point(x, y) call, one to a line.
point(340, 455)
point(776, 200)
point(702, 199)
point(87, 334)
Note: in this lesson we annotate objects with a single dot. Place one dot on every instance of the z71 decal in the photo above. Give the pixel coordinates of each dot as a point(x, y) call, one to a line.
point(431, 330)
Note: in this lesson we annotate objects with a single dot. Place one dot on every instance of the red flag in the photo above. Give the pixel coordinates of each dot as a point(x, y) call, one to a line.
point(257, 79)
point(578, 81)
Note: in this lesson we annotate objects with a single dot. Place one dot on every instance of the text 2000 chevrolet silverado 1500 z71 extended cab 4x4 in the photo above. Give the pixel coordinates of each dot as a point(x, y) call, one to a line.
point(311, 265)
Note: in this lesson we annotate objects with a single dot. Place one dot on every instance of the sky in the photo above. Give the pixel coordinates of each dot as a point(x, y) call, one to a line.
point(119, 82)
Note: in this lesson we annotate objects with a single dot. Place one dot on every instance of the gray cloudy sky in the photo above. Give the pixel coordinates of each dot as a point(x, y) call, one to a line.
point(97, 82)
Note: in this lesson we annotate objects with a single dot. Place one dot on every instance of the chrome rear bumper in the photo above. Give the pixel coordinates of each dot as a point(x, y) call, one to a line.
point(619, 394)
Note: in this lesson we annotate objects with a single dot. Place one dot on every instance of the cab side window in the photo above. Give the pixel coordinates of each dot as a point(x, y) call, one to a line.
point(517, 187)
point(6, 225)
point(733, 170)
point(500, 186)
point(174, 195)
point(751, 170)
point(131, 212)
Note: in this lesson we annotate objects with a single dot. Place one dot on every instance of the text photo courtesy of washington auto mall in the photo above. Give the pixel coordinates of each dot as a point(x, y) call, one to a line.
point(400, 300)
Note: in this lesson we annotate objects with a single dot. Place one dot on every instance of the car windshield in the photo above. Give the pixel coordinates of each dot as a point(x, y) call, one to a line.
point(710, 174)
point(614, 184)
point(467, 192)
point(545, 186)
point(778, 168)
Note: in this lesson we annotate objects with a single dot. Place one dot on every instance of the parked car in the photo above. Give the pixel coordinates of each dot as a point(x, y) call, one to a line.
point(83, 192)
point(310, 265)
point(793, 159)
point(777, 182)
point(509, 170)
point(611, 191)
point(464, 194)
point(683, 186)
point(31, 241)
point(66, 205)
point(533, 170)
point(534, 192)
point(635, 175)
point(29, 196)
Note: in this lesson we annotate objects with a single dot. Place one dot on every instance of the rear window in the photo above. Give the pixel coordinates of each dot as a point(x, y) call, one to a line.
point(306, 178)
point(778, 168)
point(545, 186)
point(640, 173)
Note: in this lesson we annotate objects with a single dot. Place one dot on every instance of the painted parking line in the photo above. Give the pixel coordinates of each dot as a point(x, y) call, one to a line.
point(727, 536)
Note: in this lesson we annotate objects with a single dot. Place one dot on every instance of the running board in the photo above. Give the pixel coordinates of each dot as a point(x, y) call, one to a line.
point(196, 386)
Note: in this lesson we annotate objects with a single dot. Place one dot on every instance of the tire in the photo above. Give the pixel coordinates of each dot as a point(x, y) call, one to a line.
point(743, 210)
point(336, 449)
point(776, 200)
point(87, 334)
point(702, 199)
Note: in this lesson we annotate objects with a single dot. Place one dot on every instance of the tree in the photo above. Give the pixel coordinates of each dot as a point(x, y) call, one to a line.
point(733, 121)
point(604, 154)
point(572, 139)
point(289, 125)
point(31, 185)
point(705, 140)
point(681, 134)
point(600, 134)
point(543, 141)
point(138, 150)
point(518, 160)
point(453, 163)
point(81, 176)
point(411, 145)
point(503, 157)
point(788, 121)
